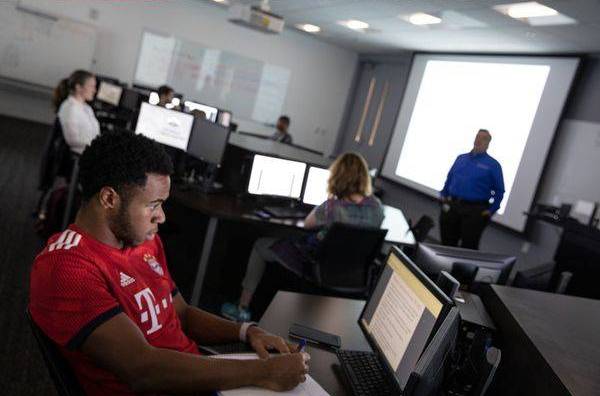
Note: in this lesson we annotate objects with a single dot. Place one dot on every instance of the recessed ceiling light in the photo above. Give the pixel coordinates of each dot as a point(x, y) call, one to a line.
point(420, 18)
point(307, 27)
point(529, 9)
point(354, 24)
point(535, 14)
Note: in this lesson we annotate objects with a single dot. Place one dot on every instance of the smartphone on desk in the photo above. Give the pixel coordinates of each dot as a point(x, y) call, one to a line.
point(315, 336)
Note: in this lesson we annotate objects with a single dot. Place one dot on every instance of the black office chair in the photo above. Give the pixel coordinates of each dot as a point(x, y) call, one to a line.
point(344, 262)
point(421, 228)
point(63, 377)
point(543, 278)
point(55, 157)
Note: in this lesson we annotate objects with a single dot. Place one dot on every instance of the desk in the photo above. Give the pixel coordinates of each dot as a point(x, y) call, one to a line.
point(334, 315)
point(550, 343)
point(577, 252)
point(270, 147)
point(229, 207)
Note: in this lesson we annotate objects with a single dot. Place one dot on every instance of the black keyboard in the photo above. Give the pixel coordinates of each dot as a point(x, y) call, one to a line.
point(365, 374)
point(283, 212)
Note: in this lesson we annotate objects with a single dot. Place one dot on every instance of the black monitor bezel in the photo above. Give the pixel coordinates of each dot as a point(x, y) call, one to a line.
point(447, 303)
point(502, 262)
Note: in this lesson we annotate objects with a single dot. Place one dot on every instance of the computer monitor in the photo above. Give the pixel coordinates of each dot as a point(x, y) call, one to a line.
point(169, 127)
point(109, 93)
point(130, 99)
point(466, 265)
point(315, 188)
point(428, 376)
point(211, 112)
point(276, 176)
point(224, 118)
point(402, 315)
point(208, 141)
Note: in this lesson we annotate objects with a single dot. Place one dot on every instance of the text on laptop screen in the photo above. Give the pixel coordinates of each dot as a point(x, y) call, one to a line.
point(168, 127)
point(400, 317)
point(315, 192)
point(276, 176)
point(109, 93)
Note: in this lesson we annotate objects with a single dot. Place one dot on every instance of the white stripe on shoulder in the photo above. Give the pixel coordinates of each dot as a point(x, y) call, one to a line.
point(74, 243)
point(67, 240)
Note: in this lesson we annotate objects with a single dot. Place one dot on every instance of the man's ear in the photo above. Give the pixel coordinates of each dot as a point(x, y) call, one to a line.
point(109, 198)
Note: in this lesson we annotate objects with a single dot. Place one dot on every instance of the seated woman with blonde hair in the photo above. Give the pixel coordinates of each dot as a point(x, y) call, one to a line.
point(350, 201)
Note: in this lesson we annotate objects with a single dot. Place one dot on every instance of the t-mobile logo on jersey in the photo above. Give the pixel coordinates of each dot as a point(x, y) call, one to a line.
point(145, 297)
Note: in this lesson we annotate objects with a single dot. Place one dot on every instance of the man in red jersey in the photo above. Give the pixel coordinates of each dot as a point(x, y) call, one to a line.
point(102, 292)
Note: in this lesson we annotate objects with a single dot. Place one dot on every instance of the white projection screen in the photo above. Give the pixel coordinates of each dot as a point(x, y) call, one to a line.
point(519, 99)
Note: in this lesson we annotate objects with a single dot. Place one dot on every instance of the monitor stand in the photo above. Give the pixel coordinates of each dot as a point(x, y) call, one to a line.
point(207, 179)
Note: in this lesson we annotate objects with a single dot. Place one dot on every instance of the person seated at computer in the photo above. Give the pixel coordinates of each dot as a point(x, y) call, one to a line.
point(101, 291)
point(281, 134)
point(165, 95)
point(350, 201)
point(79, 124)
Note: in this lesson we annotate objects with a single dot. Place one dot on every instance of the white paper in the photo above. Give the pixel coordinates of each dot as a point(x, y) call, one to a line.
point(308, 388)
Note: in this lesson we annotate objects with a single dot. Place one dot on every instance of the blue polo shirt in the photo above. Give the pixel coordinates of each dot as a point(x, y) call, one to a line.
point(475, 177)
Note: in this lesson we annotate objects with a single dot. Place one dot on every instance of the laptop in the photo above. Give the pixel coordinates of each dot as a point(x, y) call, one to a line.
point(399, 321)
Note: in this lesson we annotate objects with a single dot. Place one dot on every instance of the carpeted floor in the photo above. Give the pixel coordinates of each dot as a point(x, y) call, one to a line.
point(22, 370)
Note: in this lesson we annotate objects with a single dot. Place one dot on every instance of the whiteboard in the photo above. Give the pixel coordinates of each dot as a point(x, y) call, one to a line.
point(250, 88)
point(41, 49)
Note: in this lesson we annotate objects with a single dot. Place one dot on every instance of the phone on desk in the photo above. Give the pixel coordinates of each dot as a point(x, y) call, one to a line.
point(315, 336)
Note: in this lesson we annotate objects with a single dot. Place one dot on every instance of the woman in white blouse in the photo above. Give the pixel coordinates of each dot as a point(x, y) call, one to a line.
point(79, 124)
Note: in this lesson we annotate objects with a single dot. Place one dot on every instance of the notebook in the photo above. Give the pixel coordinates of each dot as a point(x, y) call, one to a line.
point(308, 388)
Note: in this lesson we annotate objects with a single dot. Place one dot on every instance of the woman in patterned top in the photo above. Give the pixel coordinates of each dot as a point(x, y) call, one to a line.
point(350, 201)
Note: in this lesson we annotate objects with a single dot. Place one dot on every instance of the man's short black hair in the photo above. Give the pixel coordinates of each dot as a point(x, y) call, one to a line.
point(285, 119)
point(164, 90)
point(120, 160)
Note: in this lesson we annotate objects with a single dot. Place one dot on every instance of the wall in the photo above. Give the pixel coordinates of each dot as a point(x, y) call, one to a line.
point(321, 74)
point(570, 174)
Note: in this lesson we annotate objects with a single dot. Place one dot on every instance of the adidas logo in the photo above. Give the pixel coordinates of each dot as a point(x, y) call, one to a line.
point(126, 280)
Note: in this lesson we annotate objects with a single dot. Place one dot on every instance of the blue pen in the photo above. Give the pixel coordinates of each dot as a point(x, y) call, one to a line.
point(302, 345)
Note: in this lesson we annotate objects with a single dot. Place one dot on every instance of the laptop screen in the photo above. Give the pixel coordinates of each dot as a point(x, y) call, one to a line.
point(401, 315)
point(276, 176)
point(315, 191)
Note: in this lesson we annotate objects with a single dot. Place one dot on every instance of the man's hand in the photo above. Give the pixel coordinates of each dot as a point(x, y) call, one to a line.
point(261, 341)
point(486, 213)
point(285, 372)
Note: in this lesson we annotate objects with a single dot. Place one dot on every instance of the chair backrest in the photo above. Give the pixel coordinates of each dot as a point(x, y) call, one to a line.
point(53, 156)
point(64, 379)
point(345, 255)
point(421, 229)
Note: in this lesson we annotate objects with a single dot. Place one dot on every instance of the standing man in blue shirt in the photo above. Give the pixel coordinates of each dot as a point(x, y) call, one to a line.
point(471, 195)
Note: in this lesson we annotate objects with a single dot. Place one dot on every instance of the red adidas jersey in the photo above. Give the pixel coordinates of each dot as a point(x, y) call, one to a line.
point(78, 283)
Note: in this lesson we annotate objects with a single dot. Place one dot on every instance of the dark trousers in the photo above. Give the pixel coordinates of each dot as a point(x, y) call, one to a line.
point(463, 223)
